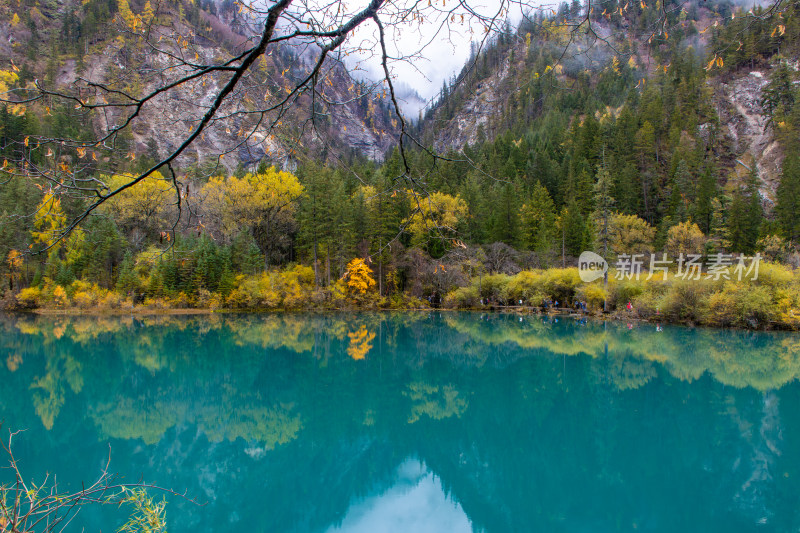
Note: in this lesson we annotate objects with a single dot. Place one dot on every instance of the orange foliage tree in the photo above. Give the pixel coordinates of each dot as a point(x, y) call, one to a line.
point(359, 276)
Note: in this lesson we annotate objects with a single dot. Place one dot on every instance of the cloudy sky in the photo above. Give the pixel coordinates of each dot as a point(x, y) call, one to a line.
point(438, 51)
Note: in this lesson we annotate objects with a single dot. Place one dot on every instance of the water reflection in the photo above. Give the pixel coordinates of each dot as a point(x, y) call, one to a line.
point(341, 422)
point(416, 502)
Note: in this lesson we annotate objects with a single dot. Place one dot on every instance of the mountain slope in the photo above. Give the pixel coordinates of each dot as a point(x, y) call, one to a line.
point(501, 90)
point(64, 43)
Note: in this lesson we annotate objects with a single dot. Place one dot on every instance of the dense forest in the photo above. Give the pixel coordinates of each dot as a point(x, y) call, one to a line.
point(620, 149)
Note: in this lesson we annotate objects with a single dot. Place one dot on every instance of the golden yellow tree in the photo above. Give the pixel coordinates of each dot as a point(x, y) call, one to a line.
point(631, 235)
point(48, 222)
point(127, 15)
point(437, 215)
point(263, 203)
point(685, 238)
point(147, 207)
point(359, 276)
point(14, 262)
point(7, 79)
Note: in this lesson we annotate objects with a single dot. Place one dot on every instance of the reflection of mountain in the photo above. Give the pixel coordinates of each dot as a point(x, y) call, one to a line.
point(416, 502)
point(274, 422)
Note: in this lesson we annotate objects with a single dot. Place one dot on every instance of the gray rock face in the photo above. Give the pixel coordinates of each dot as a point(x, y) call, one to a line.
point(745, 124)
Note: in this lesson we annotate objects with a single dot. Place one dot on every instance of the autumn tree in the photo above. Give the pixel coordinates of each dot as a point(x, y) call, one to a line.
point(631, 235)
point(14, 262)
point(435, 220)
point(684, 238)
point(263, 203)
point(49, 218)
point(145, 210)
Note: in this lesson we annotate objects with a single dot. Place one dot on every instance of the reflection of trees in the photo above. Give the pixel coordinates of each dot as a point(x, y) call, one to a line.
point(762, 360)
point(360, 343)
point(267, 426)
point(436, 402)
point(278, 404)
point(62, 370)
point(127, 418)
point(627, 371)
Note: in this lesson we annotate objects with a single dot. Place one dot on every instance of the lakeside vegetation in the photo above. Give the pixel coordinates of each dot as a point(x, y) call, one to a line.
point(769, 301)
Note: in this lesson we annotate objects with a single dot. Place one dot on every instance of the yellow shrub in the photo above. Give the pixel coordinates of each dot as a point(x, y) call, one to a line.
point(526, 286)
point(493, 287)
point(208, 300)
point(29, 298)
point(111, 300)
point(593, 294)
point(772, 275)
point(463, 297)
point(83, 299)
point(181, 301)
point(560, 283)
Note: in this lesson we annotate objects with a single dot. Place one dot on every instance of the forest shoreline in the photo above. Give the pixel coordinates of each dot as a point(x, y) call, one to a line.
point(767, 300)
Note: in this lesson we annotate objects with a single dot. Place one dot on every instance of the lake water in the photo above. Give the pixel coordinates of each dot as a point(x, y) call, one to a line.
point(412, 422)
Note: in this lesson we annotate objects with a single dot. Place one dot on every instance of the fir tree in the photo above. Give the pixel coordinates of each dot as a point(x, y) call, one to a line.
point(745, 215)
point(604, 205)
point(787, 207)
point(538, 217)
point(706, 192)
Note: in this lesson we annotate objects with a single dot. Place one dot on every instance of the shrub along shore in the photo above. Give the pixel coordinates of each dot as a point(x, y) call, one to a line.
point(769, 301)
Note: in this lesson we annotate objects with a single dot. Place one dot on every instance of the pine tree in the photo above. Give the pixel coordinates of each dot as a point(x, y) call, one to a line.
point(127, 279)
point(538, 221)
point(788, 198)
point(745, 216)
point(706, 192)
point(574, 231)
point(505, 210)
point(604, 205)
point(680, 193)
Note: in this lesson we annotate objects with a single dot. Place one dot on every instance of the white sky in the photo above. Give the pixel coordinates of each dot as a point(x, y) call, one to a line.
point(440, 51)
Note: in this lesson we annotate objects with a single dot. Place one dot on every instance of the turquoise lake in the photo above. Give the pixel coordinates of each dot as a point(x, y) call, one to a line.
point(412, 422)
